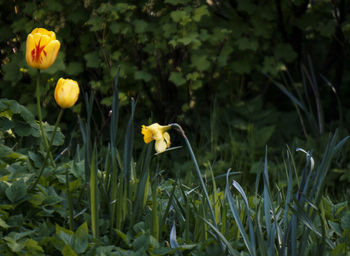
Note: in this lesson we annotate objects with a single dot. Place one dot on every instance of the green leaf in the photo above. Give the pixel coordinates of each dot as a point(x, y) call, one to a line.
point(107, 101)
point(59, 137)
point(245, 43)
point(12, 72)
point(142, 242)
point(345, 221)
point(176, 2)
point(92, 59)
point(67, 236)
point(142, 75)
point(177, 78)
point(241, 67)
point(3, 224)
point(32, 246)
point(140, 26)
point(200, 12)
point(6, 153)
point(74, 68)
point(81, 237)
point(54, 5)
point(200, 62)
point(180, 16)
point(68, 251)
point(263, 134)
point(95, 23)
point(17, 191)
point(190, 38)
point(285, 52)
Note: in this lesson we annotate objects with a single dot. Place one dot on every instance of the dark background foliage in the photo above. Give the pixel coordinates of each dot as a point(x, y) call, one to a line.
point(208, 65)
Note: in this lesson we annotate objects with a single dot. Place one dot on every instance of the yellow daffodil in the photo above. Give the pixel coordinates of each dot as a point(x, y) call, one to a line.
point(42, 48)
point(66, 92)
point(158, 133)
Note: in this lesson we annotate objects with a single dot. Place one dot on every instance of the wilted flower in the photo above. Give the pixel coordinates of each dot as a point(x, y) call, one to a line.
point(42, 48)
point(158, 133)
point(66, 92)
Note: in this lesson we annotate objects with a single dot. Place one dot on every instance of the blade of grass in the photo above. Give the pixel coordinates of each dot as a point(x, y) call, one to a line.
point(250, 224)
point(93, 195)
point(236, 216)
point(229, 248)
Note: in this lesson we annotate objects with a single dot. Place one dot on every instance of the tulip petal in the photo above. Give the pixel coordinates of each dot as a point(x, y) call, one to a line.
point(66, 92)
point(30, 45)
point(50, 54)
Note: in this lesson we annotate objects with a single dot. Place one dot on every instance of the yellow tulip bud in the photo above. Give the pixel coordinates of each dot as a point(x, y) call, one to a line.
point(42, 48)
point(66, 92)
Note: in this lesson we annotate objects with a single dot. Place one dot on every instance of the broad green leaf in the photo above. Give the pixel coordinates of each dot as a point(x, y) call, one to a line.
point(142, 75)
point(190, 38)
point(176, 2)
point(92, 59)
point(142, 242)
point(180, 16)
point(345, 221)
point(8, 154)
point(58, 138)
point(200, 62)
point(140, 26)
point(32, 246)
point(285, 52)
point(74, 68)
point(17, 191)
point(81, 238)
point(67, 236)
point(177, 78)
point(96, 23)
point(54, 5)
point(68, 251)
point(245, 43)
point(3, 224)
point(200, 12)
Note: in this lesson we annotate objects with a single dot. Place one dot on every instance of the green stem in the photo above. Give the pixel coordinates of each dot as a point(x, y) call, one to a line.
point(48, 153)
point(70, 204)
point(40, 116)
point(179, 128)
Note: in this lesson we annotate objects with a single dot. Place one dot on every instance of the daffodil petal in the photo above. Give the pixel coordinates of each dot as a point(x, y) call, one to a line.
point(160, 146)
point(167, 139)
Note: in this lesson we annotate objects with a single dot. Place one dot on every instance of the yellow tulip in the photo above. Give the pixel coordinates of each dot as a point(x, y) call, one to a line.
point(158, 133)
point(42, 48)
point(66, 92)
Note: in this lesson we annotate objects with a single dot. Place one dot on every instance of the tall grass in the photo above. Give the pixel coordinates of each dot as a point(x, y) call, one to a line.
point(126, 193)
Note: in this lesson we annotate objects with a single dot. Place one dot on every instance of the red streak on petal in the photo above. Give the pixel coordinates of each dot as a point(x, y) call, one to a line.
point(36, 52)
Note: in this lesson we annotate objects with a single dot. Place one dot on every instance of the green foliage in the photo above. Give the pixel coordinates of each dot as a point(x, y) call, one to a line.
point(209, 66)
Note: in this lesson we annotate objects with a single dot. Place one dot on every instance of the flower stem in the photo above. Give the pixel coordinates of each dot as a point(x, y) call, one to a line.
point(70, 204)
point(48, 153)
point(179, 128)
point(40, 116)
